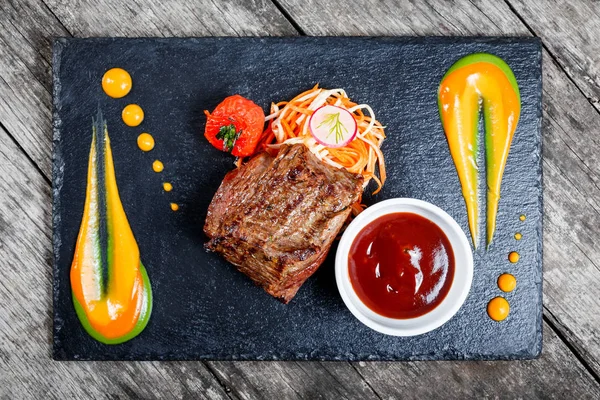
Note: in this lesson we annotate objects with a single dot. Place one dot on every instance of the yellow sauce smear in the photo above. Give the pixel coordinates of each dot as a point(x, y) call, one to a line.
point(174, 206)
point(114, 307)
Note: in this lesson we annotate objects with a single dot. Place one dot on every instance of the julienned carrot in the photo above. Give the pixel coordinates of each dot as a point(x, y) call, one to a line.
point(288, 123)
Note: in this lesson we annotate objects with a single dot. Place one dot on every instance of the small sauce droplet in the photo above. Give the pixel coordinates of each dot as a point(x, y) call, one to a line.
point(513, 257)
point(157, 166)
point(522, 217)
point(498, 309)
point(174, 206)
point(518, 236)
point(167, 186)
point(133, 115)
point(145, 142)
point(116, 83)
point(507, 282)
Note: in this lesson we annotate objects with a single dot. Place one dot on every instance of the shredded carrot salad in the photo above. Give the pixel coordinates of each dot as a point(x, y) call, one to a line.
point(289, 124)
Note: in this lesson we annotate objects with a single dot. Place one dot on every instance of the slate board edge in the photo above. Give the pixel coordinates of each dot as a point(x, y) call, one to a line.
point(60, 42)
point(57, 180)
point(57, 174)
point(296, 357)
point(540, 184)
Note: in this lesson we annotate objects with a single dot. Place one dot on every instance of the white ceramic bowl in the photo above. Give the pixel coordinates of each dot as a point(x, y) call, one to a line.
point(461, 283)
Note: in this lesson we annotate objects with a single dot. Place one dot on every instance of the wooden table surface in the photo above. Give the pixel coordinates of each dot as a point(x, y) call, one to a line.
point(570, 364)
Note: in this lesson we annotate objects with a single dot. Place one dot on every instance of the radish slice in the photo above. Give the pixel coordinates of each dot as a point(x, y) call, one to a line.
point(333, 126)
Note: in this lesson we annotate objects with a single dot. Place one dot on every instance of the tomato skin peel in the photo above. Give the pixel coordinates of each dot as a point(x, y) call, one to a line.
point(473, 79)
point(110, 287)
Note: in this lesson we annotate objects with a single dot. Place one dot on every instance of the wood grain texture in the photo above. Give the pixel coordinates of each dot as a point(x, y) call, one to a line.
point(553, 376)
point(171, 18)
point(571, 32)
point(292, 380)
point(572, 213)
point(26, 31)
point(404, 18)
point(571, 167)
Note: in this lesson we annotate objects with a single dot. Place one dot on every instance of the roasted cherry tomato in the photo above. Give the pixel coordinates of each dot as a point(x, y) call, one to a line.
point(235, 126)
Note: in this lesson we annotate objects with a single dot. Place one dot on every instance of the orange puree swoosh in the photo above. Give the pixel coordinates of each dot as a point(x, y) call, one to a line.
point(486, 80)
point(111, 290)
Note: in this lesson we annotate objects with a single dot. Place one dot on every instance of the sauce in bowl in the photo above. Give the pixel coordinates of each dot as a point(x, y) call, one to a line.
point(401, 265)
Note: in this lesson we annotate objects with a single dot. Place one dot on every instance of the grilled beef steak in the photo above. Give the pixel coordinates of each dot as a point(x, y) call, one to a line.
point(275, 218)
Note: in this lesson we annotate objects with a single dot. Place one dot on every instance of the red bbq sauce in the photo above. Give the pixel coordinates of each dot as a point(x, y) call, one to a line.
point(401, 265)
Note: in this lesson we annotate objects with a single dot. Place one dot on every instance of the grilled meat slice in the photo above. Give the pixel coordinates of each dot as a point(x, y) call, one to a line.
point(275, 218)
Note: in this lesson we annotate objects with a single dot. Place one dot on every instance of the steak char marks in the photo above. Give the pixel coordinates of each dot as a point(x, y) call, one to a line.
point(275, 218)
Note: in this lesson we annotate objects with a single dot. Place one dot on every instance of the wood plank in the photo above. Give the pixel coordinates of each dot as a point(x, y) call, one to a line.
point(555, 375)
point(292, 380)
point(571, 167)
point(26, 368)
point(26, 29)
point(571, 32)
point(571, 178)
point(390, 18)
point(173, 18)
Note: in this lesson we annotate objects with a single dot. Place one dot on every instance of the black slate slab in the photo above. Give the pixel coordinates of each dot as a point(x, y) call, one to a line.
point(203, 307)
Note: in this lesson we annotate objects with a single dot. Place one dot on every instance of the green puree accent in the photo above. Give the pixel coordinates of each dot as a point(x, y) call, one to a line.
point(139, 326)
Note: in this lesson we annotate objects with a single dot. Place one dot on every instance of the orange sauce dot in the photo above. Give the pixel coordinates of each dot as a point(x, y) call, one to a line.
point(498, 309)
point(133, 115)
point(116, 83)
point(518, 236)
point(145, 142)
point(167, 187)
point(174, 206)
point(507, 282)
point(157, 166)
point(522, 217)
point(513, 257)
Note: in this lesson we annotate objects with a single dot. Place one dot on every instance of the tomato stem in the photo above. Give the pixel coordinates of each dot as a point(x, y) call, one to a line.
point(229, 136)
